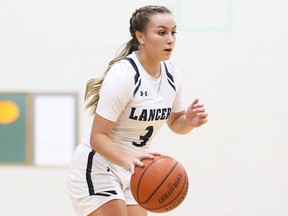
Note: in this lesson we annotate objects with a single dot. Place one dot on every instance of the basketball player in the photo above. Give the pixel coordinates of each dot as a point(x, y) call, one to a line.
point(139, 92)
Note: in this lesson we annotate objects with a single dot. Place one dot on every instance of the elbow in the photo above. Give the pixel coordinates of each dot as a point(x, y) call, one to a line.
point(94, 142)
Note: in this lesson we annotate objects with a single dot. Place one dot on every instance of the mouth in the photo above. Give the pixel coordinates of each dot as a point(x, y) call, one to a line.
point(168, 50)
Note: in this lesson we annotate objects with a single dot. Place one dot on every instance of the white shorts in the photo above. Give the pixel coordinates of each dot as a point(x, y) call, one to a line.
point(93, 181)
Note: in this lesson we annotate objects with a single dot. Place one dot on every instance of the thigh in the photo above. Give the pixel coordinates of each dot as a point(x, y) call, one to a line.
point(91, 184)
point(115, 207)
point(119, 208)
point(136, 210)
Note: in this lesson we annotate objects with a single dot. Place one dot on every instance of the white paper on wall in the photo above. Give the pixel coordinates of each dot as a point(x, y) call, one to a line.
point(55, 128)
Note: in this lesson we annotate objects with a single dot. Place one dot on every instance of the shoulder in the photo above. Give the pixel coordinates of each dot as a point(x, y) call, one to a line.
point(171, 67)
point(120, 72)
point(119, 80)
point(172, 72)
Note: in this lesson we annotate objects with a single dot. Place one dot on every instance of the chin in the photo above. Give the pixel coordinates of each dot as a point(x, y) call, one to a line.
point(165, 58)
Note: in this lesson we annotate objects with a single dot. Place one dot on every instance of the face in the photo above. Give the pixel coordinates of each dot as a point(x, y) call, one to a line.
point(159, 38)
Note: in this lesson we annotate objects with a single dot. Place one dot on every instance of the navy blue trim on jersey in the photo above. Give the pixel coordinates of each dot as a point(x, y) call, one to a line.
point(88, 172)
point(137, 75)
point(169, 77)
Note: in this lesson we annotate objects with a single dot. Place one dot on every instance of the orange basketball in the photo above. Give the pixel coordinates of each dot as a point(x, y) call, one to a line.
point(161, 185)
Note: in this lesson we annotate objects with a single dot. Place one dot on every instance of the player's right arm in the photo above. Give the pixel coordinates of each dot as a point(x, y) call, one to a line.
point(101, 143)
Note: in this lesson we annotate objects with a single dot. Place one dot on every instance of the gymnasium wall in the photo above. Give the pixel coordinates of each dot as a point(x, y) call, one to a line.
point(233, 56)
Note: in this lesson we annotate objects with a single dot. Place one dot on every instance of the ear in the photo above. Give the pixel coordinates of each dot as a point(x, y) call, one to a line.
point(139, 36)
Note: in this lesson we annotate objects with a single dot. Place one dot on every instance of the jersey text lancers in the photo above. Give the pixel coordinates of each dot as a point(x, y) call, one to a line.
point(150, 114)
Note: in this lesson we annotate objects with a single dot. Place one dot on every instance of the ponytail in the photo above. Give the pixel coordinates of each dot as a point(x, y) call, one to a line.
point(93, 85)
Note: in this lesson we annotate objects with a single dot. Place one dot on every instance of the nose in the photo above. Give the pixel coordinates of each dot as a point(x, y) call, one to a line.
point(171, 38)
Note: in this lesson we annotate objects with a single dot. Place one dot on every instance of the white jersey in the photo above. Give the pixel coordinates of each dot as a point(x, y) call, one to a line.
point(138, 103)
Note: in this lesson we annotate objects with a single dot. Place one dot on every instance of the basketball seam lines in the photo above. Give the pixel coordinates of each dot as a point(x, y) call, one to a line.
point(160, 183)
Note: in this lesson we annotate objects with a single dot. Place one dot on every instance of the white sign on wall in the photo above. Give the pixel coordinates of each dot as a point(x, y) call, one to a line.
point(54, 127)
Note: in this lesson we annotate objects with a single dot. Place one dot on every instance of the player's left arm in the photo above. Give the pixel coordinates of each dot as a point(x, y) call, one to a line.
point(184, 121)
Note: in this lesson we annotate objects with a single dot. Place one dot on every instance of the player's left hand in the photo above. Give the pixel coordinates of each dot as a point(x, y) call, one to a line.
point(196, 114)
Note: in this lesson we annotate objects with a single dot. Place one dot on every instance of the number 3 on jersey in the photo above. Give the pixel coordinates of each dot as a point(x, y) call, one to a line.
point(144, 139)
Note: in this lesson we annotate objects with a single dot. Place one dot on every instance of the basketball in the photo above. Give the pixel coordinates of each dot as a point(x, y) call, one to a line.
point(161, 185)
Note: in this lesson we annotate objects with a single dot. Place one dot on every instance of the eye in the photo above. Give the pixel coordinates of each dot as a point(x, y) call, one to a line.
point(162, 33)
point(174, 32)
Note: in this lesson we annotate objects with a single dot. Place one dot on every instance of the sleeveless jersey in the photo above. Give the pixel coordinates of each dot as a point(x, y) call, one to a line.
point(138, 103)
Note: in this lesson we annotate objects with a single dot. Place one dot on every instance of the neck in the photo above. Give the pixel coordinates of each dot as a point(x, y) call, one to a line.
point(153, 67)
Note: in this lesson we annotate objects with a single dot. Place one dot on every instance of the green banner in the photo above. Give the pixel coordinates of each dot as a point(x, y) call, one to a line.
point(13, 127)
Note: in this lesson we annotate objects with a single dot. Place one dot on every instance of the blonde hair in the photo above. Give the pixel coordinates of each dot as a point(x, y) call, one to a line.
point(138, 22)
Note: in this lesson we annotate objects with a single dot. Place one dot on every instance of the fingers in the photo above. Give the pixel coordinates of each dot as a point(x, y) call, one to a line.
point(196, 105)
point(203, 115)
point(132, 168)
point(202, 118)
point(138, 160)
point(196, 114)
point(199, 109)
point(135, 162)
point(148, 155)
point(196, 101)
point(154, 153)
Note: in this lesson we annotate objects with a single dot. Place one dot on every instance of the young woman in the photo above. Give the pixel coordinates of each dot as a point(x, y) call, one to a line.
point(139, 92)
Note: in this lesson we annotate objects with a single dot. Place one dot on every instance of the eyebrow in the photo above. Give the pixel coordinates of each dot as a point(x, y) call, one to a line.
point(166, 27)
